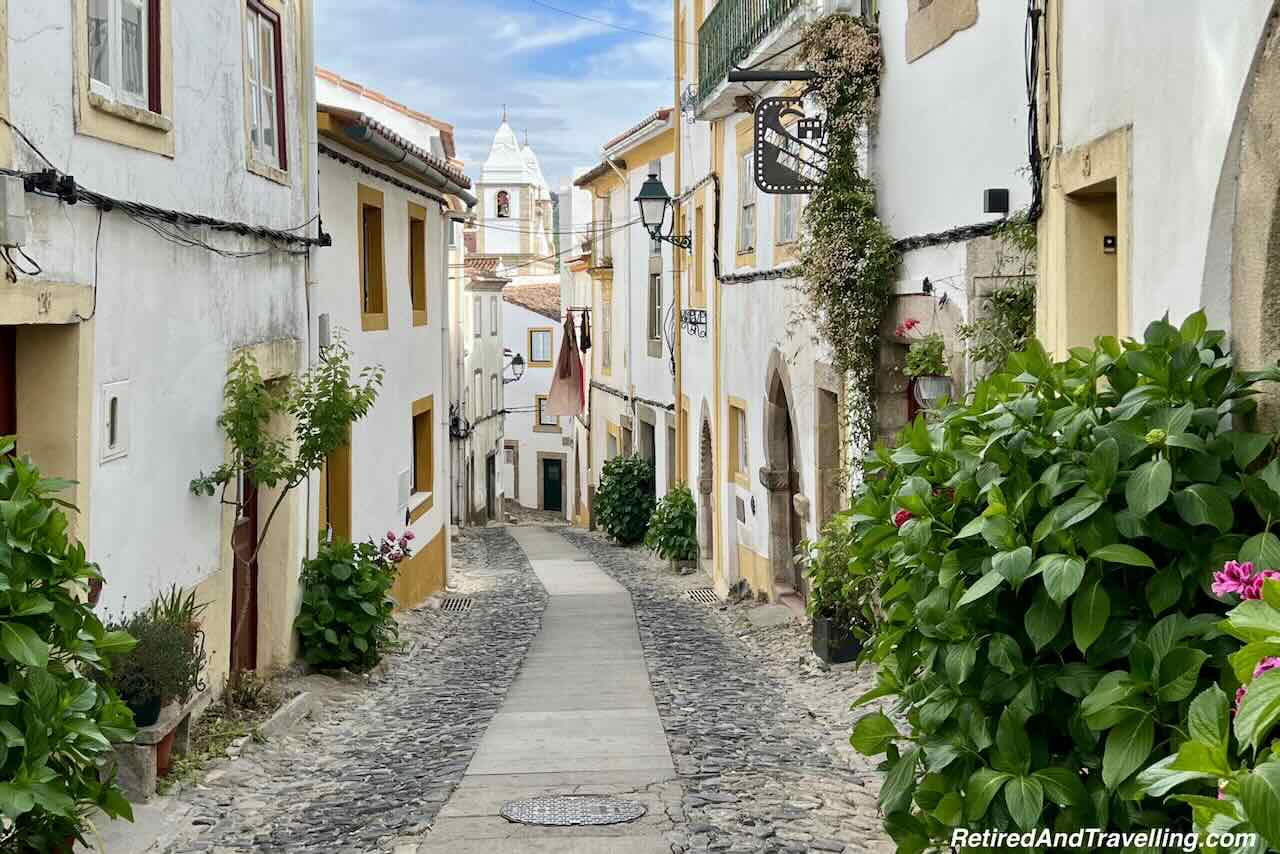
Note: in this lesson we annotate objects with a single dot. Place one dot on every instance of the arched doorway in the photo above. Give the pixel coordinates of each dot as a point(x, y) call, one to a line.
point(781, 477)
point(706, 480)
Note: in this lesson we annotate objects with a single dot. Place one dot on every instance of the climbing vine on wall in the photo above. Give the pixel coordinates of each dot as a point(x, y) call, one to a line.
point(846, 255)
point(1007, 320)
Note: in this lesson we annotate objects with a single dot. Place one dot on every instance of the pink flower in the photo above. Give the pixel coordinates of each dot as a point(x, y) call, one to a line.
point(1240, 692)
point(1269, 663)
point(1254, 589)
point(902, 517)
point(391, 536)
point(408, 535)
point(910, 323)
point(1234, 578)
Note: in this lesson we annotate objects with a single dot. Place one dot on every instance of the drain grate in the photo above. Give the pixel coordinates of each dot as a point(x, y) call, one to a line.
point(456, 604)
point(572, 810)
point(704, 596)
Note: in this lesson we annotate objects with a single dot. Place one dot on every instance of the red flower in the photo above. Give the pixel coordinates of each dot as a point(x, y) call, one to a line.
point(902, 517)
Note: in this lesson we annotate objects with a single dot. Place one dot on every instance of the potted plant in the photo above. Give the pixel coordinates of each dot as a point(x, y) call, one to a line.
point(841, 602)
point(926, 364)
point(673, 529)
point(624, 501)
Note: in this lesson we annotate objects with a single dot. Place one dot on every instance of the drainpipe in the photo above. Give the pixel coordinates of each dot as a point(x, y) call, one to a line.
point(626, 355)
point(365, 135)
point(310, 188)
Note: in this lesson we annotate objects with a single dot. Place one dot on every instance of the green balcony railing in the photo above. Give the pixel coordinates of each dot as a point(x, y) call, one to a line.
point(730, 32)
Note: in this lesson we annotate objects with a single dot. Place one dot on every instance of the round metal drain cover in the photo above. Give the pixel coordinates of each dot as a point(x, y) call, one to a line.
point(572, 810)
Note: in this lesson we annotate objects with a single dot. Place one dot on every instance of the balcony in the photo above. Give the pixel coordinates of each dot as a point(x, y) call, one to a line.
point(729, 34)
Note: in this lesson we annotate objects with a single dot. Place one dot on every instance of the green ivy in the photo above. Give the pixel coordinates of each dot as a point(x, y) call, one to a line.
point(1044, 551)
point(846, 255)
point(346, 617)
point(58, 716)
point(673, 527)
point(624, 501)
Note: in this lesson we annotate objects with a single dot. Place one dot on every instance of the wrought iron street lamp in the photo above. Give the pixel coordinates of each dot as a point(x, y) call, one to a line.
point(516, 366)
point(654, 201)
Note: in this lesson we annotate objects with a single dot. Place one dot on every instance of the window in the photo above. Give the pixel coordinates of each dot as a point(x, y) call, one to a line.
point(504, 204)
point(477, 317)
point(611, 444)
point(373, 279)
point(495, 390)
point(509, 455)
point(451, 231)
point(424, 459)
point(124, 55)
point(788, 218)
point(418, 263)
point(265, 89)
point(477, 395)
point(540, 348)
point(746, 204)
point(606, 336)
point(542, 420)
point(493, 315)
point(699, 264)
point(738, 441)
point(655, 306)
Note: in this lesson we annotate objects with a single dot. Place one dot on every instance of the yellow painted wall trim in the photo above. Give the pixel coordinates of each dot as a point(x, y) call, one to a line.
point(121, 123)
point(420, 315)
point(425, 406)
point(737, 441)
point(421, 575)
point(275, 358)
point(542, 363)
point(746, 256)
point(44, 302)
point(371, 321)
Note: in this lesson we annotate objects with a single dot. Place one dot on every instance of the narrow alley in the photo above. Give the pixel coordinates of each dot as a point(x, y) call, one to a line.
point(580, 668)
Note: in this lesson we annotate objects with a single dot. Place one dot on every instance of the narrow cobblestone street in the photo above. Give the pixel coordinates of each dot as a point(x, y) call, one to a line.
point(756, 730)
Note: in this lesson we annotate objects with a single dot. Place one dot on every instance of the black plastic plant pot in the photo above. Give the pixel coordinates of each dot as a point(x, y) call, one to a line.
point(833, 643)
point(145, 712)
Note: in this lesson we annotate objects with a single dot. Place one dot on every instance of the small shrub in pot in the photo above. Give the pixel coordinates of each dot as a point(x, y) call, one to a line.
point(673, 526)
point(624, 501)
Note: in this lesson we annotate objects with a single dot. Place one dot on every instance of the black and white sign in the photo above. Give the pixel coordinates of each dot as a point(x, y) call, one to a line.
point(790, 151)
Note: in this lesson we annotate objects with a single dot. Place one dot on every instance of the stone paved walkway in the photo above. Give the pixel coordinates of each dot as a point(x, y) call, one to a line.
point(734, 737)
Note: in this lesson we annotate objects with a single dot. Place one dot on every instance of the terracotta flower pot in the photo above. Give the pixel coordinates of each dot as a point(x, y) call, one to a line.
point(164, 754)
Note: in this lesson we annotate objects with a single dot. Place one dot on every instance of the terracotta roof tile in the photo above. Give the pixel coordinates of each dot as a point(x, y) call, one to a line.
point(542, 298)
point(659, 116)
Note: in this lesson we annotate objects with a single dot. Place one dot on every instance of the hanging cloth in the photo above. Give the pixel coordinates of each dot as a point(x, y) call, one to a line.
point(586, 330)
point(568, 392)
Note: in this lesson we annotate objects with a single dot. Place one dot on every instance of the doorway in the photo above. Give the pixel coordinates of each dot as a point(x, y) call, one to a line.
point(490, 484)
point(782, 478)
point(244, 583)
point(706, 478)
point(552, 484)
point(8, 381)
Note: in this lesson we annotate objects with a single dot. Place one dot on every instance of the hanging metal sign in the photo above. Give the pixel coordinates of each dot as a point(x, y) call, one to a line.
point(790, 147)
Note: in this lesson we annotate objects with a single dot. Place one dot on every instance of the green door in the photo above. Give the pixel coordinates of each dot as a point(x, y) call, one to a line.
point(552, 486)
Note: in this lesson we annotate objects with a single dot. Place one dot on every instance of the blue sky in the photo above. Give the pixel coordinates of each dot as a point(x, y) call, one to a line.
point(571, 83)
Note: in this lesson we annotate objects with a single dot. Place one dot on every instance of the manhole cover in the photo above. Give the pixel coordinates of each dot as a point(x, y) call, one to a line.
point(704, 595)
point(456, 604)
point(571, 810)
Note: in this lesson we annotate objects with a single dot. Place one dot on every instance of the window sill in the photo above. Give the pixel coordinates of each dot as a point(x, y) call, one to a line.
point(543, 428)
point(419, 318)
point(746, 258)
point(373, 322)
point(138, 116)
point(533, 364)
point(419, 504)
point(271, 173)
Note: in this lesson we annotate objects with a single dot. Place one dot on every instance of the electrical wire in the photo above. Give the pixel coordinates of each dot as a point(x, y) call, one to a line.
point(610, 25)
point(29, 143)
point(1032, 47)
point(97, 242)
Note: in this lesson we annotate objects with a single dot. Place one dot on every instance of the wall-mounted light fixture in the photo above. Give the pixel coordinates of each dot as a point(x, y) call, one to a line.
point(654, 201)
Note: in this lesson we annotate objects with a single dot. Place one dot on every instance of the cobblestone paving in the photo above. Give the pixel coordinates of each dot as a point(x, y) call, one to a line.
point(376, 768)
point(757, 727)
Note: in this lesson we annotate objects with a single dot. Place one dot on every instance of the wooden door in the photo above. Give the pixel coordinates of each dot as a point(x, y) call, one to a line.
point(552, 486)
point(8, 381)
point(244, 587)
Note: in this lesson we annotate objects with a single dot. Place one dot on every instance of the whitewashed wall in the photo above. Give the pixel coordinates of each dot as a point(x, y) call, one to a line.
point(520, 398)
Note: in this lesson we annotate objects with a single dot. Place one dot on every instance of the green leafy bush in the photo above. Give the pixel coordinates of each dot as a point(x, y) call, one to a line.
point(624, 501)
point(926, 357)
point(346, 617)
point(1228, 784)
point(673, 527)
point(1045, 550)
point(57, 719)
point(169, 654)
point(841, 587)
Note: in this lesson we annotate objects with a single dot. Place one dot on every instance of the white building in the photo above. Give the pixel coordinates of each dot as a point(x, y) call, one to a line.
point(760, 401)
point(114, 350)
point(537, 447)
point(389, 183)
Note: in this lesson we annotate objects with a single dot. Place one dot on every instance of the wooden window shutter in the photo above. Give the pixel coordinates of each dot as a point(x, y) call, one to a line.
point(154, 41)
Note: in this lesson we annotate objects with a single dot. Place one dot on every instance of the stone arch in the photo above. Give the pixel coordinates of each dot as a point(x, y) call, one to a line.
point(1253, 161)
point(706, 489)
point(781, 475)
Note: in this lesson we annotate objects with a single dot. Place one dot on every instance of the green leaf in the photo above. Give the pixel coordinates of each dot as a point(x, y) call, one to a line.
point(1003, 653)
point(1259, 710)
point(1179, 671)
point(1194, 327)
point(1245, 660)
point(16, 800)
point(1112, 688)
point(1128, 748)
point(21, 644)
point(873, 734)
point(116, 643)
point(1062, 575)
point(1103, 463)
point(1024, 796)
point(1163, 590)
point(1260, 794)
point(1158, 779)
point(1062, 786)
point(1204, 504)
point(1262, 550)
point(1245, 447)
point(1253, 620)
point(895, 792)
point(1043, 619)
point(982, 788)
point(1013, 747)
point(960, 660)
point(984, 586)
point(1014, 565)
point(1263, 497)
point(1209, 718)
point(1201, 758)
point(1121, 553)
point(1076, 510)
point(8, 696)
point(1089, 612)
point(1148, 486)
